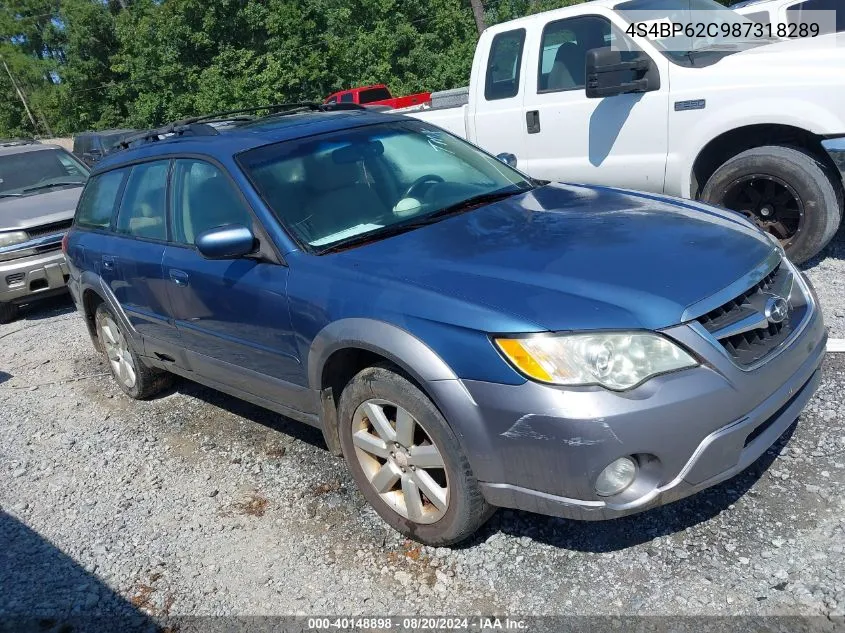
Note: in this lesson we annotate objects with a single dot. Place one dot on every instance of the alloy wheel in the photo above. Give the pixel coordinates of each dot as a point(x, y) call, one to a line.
point(401, 461)
point(117, 350)
point(770, 203)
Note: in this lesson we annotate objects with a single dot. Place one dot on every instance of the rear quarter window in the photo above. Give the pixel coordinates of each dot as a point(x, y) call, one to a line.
point(99, 199)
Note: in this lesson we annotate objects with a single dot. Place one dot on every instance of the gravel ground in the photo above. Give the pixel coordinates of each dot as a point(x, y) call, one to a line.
point(827, 272)
point(198, 504)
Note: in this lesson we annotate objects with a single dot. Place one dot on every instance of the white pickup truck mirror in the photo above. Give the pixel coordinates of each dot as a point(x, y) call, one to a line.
point(608, 75)
point(507, 159)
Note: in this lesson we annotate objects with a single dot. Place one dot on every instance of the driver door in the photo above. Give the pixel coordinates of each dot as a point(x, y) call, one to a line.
point(620, 140)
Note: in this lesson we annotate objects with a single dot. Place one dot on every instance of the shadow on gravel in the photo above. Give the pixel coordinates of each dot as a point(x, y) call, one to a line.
point(47, 308)
point(46, 591)
point(297, 430)
point(618, 534)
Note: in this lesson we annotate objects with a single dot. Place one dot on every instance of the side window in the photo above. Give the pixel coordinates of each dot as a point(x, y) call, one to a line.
point(565, 43)
point(794, 13)
point(503, 67)
point(332, 100)
point(203, 198)
point(99, 200)
point(347, 98)
point(79, 145)
point(142, 211)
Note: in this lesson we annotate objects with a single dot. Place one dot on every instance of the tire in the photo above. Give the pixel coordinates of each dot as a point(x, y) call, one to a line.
point(465, 508)
point(117, 347)
point(8, 312)
point(818, 196)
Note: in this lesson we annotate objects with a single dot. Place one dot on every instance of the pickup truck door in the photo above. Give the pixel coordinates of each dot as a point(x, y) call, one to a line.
point(496, 120)
point(619, 140)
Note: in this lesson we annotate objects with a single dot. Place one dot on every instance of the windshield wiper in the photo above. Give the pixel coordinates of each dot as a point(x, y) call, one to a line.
point(10, 195)
point(397, 229)
point(48, 185)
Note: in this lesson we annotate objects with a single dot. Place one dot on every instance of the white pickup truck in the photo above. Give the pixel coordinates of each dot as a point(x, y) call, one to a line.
point(758, 126)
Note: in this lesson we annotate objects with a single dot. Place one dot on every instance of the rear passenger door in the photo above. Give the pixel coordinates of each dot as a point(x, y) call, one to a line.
point(499, 118)
point(232, 314)
point(140, 237)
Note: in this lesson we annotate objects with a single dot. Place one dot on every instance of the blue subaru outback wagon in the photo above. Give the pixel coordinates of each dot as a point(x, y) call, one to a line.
point(466, 337)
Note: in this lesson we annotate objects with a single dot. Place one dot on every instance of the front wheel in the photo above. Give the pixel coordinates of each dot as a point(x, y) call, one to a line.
point(8, 312)
point(406, 461)
point(783, 190)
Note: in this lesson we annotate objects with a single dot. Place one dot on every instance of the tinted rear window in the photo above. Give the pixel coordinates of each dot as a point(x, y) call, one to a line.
point(99, 200)
point(374, 94)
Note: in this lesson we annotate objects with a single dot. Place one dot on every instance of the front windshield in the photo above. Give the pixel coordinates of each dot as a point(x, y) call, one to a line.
point(374, 180)
point(714, 28)
point(33, 171)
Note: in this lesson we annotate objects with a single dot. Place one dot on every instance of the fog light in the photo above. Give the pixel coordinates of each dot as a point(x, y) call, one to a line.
point(616, 477)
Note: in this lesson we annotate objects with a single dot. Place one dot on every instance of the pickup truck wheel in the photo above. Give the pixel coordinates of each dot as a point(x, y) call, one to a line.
point(784, 191)
point(406, 461)
point(8, 312)
point(133, 377)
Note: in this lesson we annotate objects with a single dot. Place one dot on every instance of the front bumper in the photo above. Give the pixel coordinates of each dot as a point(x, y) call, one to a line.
point(27, 278)
point(540, 448)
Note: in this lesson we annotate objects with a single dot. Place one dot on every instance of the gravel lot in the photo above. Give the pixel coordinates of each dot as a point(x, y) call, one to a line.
point(196, 503)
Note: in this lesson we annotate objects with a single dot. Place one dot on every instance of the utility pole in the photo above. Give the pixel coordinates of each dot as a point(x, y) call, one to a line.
point(478, 12)
point(20, 94)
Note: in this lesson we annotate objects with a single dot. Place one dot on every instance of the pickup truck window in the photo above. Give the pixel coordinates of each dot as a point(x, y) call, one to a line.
point(504, 65)
point(347, 97)
point(373, 94)
point(794, 13)
point(371, 181)
point(564, 50)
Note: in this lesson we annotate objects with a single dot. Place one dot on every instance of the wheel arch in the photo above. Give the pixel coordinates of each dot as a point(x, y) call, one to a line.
point(94, 291)
point(345, 347)
point(728, 144)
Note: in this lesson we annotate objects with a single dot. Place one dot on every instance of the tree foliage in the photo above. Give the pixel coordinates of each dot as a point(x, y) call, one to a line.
point(92, 64)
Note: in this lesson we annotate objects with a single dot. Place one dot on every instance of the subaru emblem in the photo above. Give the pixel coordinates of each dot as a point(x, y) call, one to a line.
point(777, 309)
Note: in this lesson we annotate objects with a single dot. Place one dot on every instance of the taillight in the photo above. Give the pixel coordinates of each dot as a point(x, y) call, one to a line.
point(64, 243)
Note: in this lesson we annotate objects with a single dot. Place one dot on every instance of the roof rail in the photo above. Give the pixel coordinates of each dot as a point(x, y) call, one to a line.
point(199, 125)
point(19, 141)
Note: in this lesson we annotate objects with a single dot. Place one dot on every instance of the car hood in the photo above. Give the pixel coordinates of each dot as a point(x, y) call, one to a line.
point(38, 209)
point(822, 57)
point(566, 257)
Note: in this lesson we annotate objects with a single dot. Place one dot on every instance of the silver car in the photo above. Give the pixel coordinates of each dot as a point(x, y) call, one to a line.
point(39, 188)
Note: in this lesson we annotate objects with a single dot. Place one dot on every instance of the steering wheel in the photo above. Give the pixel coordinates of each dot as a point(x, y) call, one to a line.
point(428, 178)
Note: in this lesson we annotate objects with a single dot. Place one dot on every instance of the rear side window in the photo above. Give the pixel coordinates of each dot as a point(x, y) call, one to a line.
point(143, 212)
point(203, 198)
point(504, 65)
point(99, 200)
point(374, 94)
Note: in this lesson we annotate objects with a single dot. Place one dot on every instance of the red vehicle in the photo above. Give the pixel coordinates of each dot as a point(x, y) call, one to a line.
point(377, 95)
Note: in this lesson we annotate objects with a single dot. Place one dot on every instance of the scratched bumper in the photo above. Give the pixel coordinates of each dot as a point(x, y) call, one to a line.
point(540, 448)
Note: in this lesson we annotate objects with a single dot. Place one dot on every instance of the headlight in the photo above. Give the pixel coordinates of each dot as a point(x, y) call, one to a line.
point(12, 237)
point(617, 361)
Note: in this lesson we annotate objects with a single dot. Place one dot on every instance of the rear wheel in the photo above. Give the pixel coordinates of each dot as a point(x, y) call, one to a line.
point(406, 461)
point(783, 190)
point(133, 377)
point(8, 312)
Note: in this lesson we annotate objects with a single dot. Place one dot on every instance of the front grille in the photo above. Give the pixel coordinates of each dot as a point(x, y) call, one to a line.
point(47, 229)
point(740, 325)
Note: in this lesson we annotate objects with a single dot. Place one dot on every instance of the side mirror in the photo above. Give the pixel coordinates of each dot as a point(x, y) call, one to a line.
point(508, 159)
point(608, 75)
point(226, 242)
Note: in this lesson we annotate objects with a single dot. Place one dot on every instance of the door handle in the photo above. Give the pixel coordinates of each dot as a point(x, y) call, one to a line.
point(108, 262)
point(179, 277)
point(532, 121)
